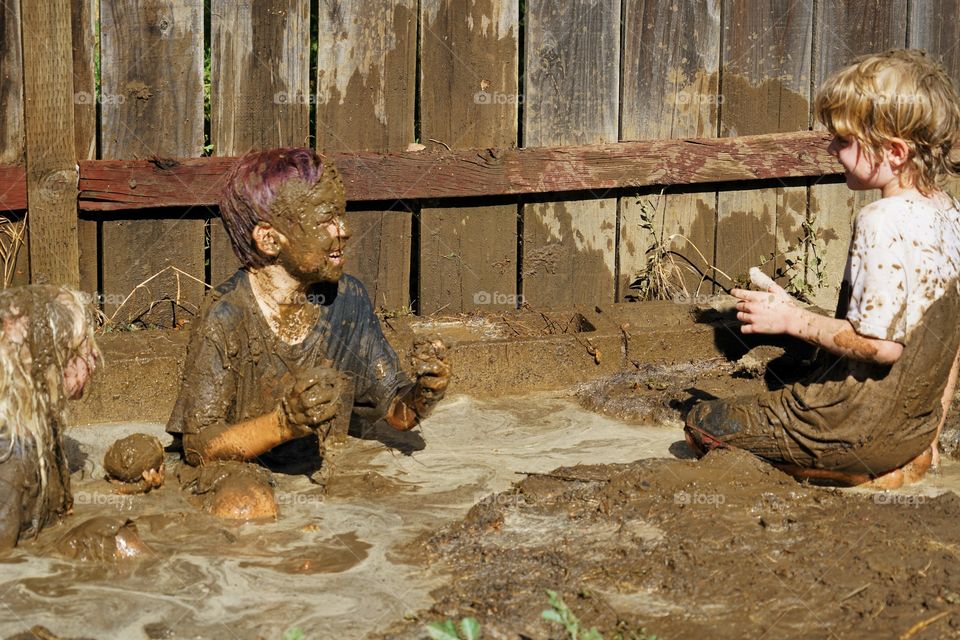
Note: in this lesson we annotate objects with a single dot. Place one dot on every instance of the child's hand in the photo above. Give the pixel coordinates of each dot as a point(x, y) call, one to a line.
point(770, 311)
point(432, 371)
point(314, 398)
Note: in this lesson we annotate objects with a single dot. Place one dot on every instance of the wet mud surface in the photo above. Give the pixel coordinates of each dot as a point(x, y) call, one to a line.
point(334, 565)
point(590, 492)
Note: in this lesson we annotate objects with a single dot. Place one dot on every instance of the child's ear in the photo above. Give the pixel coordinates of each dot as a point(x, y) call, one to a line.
point(898, 152)
point(266, 238)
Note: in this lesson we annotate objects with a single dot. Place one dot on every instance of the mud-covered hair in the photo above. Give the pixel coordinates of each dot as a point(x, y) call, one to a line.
point(42, 327)
point(253, 186)
point(898, 94)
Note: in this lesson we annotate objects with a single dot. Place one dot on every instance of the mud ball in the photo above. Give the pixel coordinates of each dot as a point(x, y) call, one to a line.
point(103, 538)
point(129, 458)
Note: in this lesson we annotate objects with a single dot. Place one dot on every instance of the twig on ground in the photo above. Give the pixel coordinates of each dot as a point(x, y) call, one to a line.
point(923, 624)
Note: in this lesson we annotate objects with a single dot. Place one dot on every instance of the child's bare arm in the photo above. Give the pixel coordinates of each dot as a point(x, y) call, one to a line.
point(313, 400)
point(774, 311)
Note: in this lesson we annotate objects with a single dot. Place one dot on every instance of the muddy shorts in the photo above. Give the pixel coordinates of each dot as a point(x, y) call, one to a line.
point(838, 421)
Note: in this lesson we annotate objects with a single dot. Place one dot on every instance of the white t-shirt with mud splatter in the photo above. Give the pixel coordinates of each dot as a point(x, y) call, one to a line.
point(904, 251)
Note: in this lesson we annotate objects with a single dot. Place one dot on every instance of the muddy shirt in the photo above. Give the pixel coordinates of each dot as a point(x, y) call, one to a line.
point(238, 369)
point(904, 252)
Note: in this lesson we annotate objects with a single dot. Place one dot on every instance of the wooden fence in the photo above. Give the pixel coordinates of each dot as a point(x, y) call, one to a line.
point(86, 82)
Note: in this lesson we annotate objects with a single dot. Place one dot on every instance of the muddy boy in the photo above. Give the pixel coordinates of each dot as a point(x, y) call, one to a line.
point(273, 340)
point(873, 411)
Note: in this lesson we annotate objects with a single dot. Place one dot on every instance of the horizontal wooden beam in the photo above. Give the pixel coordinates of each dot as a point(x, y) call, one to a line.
point(107, 185)
point(13, 188)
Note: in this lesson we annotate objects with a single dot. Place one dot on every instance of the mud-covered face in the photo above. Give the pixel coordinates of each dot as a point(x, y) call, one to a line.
point(313, 230)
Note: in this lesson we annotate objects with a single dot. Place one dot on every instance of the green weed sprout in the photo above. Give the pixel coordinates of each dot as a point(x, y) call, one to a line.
point(295, 633)
point(561, 614)
point(447, 630)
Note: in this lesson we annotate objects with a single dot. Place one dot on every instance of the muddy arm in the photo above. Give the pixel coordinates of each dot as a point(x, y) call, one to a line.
point(775, 311)
point(241, 441)
point(417, 401)
point(311, 402)
point(403, 414)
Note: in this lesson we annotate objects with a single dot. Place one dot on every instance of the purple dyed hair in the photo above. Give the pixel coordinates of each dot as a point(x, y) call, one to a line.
point(252, 188)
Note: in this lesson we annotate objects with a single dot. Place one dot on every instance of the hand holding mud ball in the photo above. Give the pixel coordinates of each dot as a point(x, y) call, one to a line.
point(432, 371)
point(433, 375)
point(313, 399)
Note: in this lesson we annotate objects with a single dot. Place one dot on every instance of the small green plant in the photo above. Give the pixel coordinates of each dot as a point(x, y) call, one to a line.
point(561, 614)
point(469, 629)
point(294, 633)
point(803, 264)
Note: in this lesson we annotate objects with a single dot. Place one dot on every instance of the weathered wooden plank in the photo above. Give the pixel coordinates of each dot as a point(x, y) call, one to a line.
point(469, 98)
point(260, 89)
point(766, 88)
point(572, 63)
point(15, 257)
point(83, 23)
point(11, 86)
point(670, 88)
point(13, 188)
point(51, 152)
point(933, 28)
point(366, 77)
point(844, 30)
point(133, 184)
point(152, 105)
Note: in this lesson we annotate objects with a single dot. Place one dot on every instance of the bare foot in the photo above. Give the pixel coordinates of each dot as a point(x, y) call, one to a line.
point(910, 473)
point(889, 480)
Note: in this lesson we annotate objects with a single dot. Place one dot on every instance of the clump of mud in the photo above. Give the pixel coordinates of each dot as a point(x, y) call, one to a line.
point(654, 393)
point(725, 547)
point(136, 460)
point(754, 363)
point(661, 394)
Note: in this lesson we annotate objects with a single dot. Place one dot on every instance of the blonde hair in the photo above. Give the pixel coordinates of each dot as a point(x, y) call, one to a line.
point(897, 94)
point(42, 328)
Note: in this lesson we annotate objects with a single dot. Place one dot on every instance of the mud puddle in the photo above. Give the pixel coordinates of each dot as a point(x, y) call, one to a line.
point(335, 566)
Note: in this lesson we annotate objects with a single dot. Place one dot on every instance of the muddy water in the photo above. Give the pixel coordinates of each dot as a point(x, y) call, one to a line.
point(329, 565)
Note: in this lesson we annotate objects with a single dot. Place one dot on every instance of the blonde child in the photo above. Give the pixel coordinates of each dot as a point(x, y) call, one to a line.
point(873, 410)
point(47, 355)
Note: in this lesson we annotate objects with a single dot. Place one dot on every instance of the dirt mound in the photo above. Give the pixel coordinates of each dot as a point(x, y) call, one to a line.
point(727, 547)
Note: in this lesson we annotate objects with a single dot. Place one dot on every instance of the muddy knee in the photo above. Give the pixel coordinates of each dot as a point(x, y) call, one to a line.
point(232, 490)
point(103, 538)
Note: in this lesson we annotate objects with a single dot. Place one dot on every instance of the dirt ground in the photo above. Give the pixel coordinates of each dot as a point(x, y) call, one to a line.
point(725, 547)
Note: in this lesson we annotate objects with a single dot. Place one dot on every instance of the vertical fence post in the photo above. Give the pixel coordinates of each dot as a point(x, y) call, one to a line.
point(51, 154)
